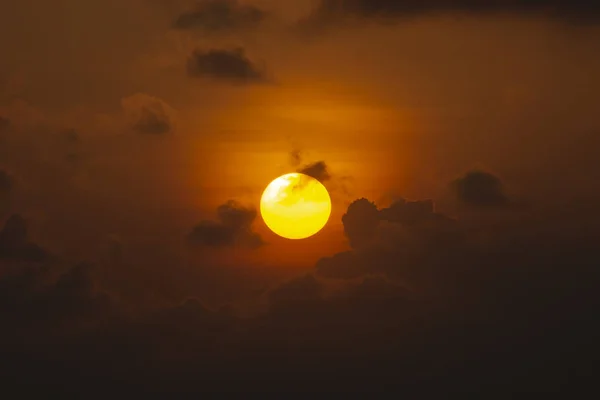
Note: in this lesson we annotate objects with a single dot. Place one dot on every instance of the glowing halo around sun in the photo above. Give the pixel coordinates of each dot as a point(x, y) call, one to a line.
point(295, 206)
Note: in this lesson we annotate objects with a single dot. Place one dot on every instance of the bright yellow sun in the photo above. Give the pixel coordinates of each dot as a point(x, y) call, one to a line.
point(295, 206)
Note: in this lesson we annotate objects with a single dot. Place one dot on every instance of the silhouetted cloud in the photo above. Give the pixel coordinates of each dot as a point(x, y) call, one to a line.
point(487, 303)
point(320, 170)
point(214, 16)
point(488, 313)
point(379, 238)
point(227, 65)
point(361, 222)
point(233, 228)
point(317, 170)
point(147, 114)
point(329, 11)
point(15, 244)
point(480, 189)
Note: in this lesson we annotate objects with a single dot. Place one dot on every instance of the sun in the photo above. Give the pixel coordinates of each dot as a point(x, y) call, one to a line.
point(295, 206)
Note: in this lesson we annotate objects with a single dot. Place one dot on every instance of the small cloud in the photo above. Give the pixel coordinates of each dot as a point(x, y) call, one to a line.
point(215, 16)
point(226, 65)
point(480, 189)
point(148, 115)
point(317, 170)
point(232, 229)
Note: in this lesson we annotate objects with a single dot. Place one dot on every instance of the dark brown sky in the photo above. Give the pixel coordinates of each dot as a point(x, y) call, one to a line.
point(126, 123)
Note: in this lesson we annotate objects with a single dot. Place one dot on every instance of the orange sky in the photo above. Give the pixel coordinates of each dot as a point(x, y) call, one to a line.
point(393, 110)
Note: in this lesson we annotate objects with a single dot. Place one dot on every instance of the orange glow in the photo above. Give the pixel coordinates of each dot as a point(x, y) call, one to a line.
point(295, 206)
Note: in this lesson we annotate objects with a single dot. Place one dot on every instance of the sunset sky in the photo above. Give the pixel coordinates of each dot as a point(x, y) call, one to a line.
point(472, 128)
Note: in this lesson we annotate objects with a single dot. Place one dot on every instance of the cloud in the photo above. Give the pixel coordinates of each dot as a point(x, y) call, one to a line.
point(148, 115)
point(480, 189)
point(232, 229)
point(216, 16)
point(15, 244)
point(329, 11)
point(486, 313)
point(226, 65)
point(336, 184)
point(490, 304)
point(317, 170)
point(379, 238)
point(360, 222)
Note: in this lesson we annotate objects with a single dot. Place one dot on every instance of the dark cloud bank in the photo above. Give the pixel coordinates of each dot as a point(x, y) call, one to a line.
point(573, 11)
point(502, 302)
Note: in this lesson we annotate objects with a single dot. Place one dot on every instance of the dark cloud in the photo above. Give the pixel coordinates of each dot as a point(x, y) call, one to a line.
point(336, 184)
point(361, 222)
point(480, 189)
point(426, 303)
point(214, 16)
point(474, 317)
point(381, 237)
point(15, 244)
point(227, 65)
point(233, 228)
point(317, 170)
point(148, 114)
point(334, 10)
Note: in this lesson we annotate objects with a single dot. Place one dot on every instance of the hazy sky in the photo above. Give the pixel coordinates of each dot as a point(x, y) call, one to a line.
point(125, 123)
